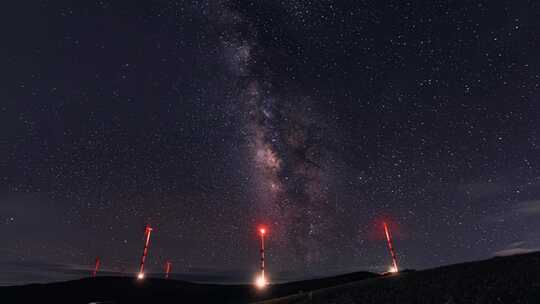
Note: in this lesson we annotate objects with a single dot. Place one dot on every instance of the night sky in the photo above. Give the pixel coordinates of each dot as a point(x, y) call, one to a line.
point(318, 119)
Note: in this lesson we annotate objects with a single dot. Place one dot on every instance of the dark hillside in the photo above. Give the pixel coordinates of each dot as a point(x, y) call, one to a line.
point(129, 290)
point(514, 279)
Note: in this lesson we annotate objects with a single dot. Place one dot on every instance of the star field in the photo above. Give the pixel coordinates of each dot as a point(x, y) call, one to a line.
point(318, 119)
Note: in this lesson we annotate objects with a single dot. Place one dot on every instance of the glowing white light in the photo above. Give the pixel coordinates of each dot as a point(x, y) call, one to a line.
point(261, 282)
point(140, 276)
point(392, 269)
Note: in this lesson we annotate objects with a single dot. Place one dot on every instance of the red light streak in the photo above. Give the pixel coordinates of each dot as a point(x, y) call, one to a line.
point(261, 281)
point(391, 247)
point(147, 233)
point(96, 267)
point(168, 266)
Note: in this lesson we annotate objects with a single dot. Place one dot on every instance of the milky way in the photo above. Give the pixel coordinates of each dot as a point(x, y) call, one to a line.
point(284, 144)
